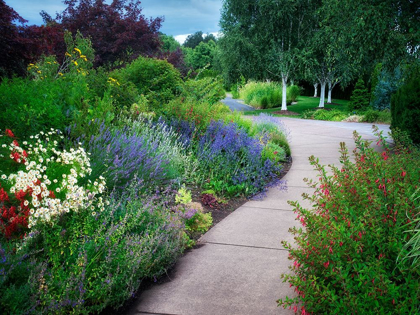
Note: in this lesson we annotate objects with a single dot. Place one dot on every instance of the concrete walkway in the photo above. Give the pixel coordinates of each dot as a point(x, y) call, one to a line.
point(237, 270)
point(235, 104)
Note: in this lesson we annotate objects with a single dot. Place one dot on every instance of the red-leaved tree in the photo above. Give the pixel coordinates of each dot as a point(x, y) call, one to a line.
point(118, 31)
point(13, 55)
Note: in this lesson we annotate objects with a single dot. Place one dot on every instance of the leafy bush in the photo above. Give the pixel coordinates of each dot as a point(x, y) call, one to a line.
point(205, 90)
point(345, 256)
point(360, 97)
point(405, 105)
point(273, 152)
point(29, 107)
point(330, 115)
point(89, 261)
point(158, 80)
point(272, 129)
point(261, 94)
point(371, 115)
point(200, 113)
point(39, 182)
point(231, 161)
point(293, 93)
point(388, 83)
point(141, 151)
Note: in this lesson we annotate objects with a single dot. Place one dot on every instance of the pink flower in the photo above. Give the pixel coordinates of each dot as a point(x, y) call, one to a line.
point(403, 173)
point(327, 264)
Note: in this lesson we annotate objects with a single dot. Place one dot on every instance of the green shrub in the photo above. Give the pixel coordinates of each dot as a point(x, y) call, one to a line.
point(157, 79)
point(293, 93)
point(89, 261)
point(207, 89)
point(273, 152)
point(378, 116)
point(261, 94)
point(360, 97)
point(405, 105)
point(330, 115)
point(199, 112)
point(345, 256)
point(235, 91)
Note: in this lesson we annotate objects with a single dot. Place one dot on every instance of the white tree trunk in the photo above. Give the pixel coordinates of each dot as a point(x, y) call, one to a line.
point(322, 96)
point(330, 88)
point(329, 101)
point(316, 89)
point(284, 91)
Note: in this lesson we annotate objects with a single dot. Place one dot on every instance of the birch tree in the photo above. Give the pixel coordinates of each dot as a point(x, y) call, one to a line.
point(278, 31)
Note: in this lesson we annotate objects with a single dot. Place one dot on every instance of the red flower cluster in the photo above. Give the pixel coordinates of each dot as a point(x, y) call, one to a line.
point(13, 220)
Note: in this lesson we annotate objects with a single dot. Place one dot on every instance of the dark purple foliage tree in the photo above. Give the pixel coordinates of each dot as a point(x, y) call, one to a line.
point(13, 55)
point(118, 30)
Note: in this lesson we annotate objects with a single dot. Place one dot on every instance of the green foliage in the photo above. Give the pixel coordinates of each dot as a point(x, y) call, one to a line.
point(377, 116)
point(261, 94)
point(405, 105)
point(345, 257)
point(293, 93)
point(29, 107)
point(207, 89)
point(199, 222)
point(183, 196)
point(202, 55)
point(360, 96)
point(157, 79)
point(85, 262)
point(193, 110)
point(169, 43)
point(273, 152)
point(280, 139)
point(388, 83)
point(331, 115)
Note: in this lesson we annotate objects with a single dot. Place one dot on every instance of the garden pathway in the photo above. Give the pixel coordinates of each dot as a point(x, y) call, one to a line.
point(235, 104)
point(237, 269)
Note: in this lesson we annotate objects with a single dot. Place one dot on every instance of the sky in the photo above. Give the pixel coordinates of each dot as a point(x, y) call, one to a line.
point(182, 17)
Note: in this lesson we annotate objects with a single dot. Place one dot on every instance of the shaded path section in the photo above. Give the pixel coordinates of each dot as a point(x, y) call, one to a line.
point(237, 269)
point(237, 105)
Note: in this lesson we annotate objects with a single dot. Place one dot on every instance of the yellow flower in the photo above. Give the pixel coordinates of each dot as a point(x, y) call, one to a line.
point(31, 64)
point(67, 54)
point(39, 71)
point(75, 63)
point(85, 59)
point(78, 50)
point(60, 73)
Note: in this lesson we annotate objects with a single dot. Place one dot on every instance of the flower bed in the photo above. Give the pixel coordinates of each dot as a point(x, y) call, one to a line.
point(351, 256)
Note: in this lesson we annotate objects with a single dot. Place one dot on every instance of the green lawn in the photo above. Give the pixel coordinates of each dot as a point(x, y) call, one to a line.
point(304, 103)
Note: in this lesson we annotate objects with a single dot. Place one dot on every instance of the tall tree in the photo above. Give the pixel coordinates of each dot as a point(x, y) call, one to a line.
point(276, 30)
point(13, 53)
point(117, 30)
point(193, 40)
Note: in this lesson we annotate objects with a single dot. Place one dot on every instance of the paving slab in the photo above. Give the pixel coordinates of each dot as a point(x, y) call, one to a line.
point(219, 279)
point(250, 226)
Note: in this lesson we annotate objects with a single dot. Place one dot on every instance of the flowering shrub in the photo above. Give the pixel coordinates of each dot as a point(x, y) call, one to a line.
point(345, 257)
point(43, 182)
point(142, 151)
point(86, 263)
point(231, 160)
point(196, 221)
point(272, 129)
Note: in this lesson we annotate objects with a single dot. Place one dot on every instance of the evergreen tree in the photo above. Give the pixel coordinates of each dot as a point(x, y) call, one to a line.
point(360, 96)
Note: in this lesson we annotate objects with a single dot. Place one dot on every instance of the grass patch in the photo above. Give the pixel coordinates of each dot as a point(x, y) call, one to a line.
point(304, 103)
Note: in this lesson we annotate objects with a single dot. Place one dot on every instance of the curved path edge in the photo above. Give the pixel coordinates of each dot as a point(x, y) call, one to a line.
point(237, 269)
